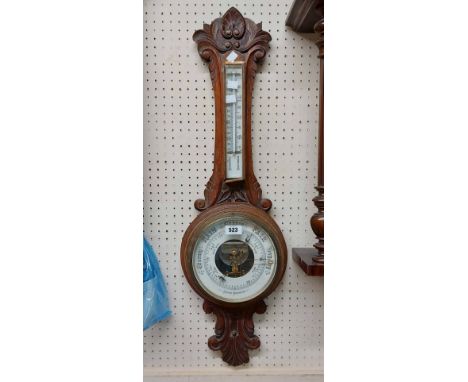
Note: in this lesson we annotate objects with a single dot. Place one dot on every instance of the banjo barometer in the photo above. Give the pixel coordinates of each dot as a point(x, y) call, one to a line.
point(233, 254)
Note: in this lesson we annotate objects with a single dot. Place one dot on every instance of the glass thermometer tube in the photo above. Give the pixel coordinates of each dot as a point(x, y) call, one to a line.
point(234, 121)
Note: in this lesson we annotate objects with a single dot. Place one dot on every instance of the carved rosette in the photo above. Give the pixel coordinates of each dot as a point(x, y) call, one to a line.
point(234, 332)
point(232, 32)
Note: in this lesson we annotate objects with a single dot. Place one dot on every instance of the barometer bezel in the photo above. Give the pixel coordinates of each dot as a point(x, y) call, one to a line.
point(234, 210)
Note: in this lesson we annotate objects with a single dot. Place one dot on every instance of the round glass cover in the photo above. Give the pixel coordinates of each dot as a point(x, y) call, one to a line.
point(234, 259)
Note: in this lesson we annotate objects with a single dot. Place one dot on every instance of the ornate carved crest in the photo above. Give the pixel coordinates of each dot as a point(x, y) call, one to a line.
point(231, 32)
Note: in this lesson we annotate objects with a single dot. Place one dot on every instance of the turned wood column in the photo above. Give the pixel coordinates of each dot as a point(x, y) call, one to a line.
point(306, 16)
point(317, 220)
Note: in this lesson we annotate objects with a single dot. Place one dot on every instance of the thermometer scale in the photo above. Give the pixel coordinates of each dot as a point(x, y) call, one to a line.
point(234, 120)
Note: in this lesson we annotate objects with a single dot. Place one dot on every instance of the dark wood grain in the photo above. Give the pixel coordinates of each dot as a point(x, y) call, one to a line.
point(317, 221)
point(234, 330)
point(303, 15)
point(305, 257)
point(312, 261)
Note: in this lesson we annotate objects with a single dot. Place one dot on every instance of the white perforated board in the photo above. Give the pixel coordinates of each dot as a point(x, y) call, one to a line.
point(178, 161)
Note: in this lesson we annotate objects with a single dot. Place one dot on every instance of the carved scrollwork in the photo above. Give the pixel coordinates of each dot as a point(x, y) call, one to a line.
point(256, 55)
point(209, 54)
point(264, 204)
point(234, 332)
point(203, 204)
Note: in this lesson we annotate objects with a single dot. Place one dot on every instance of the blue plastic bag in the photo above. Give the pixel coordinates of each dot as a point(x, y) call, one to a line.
point(155, 299)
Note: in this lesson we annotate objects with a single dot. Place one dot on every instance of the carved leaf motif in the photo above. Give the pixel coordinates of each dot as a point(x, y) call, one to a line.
point(233, 24)
point(261, 38)
point(231, 195)
point(234, 332)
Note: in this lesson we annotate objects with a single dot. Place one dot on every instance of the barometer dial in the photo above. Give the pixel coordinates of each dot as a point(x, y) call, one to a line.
point(234, 259)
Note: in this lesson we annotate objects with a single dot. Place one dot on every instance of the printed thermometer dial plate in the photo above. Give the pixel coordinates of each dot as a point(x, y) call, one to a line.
point(234, 119)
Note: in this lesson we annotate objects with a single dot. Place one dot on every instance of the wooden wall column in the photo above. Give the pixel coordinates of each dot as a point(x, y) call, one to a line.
point(317, 220)
point(307, 16)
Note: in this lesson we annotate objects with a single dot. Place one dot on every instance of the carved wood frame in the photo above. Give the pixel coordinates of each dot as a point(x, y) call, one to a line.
point(234, 330)
point(232, 32)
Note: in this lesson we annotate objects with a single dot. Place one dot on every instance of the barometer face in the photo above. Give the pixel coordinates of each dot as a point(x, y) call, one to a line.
point(234, 259)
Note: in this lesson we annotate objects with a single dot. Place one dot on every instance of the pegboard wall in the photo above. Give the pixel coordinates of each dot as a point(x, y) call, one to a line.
point(178, 161)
